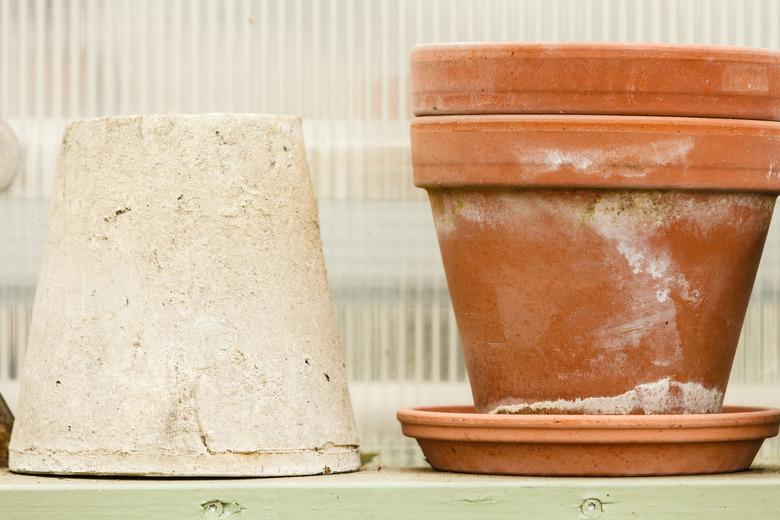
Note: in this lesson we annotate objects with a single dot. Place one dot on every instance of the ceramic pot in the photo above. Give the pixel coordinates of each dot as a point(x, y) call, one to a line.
point(598, 264)
point(183, 324)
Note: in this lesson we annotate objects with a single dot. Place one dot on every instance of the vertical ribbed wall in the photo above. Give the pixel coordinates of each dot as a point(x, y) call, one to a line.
point(342, 65)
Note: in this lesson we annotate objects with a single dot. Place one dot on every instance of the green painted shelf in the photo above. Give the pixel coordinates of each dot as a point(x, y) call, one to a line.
point(394, 494)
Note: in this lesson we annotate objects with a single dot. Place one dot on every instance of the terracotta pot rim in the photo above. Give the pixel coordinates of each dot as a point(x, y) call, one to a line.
point(596, 78)
point(425, 51)
point(596, 120)
point(596, 151)
point(455, 423)
point(464, 417)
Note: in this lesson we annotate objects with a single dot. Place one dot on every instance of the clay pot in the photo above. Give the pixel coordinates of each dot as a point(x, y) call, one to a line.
point(182, 323)
point(596, 264)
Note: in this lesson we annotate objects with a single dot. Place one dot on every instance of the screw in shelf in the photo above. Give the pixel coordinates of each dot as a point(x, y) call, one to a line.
point(592, 507)
point(213, 509)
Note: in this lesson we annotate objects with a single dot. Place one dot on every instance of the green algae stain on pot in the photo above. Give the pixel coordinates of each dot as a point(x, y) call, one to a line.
point(645, 204)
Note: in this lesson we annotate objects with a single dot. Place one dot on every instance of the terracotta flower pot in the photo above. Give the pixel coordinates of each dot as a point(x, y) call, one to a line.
point(598, 264)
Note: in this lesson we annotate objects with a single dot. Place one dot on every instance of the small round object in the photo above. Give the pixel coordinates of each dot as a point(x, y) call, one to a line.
point(592, 507)
point(10, 156)
point(213, 509)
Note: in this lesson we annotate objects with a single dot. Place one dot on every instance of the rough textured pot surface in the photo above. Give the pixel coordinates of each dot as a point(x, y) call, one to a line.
point(587, 78)
point(183, 323)
point(575, 296)
point(457, 439)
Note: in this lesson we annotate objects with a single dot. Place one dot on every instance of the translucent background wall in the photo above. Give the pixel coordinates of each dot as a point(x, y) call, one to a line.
point(342, 65)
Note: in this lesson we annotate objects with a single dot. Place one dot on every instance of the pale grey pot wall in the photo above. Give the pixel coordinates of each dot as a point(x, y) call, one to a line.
point(183, 323)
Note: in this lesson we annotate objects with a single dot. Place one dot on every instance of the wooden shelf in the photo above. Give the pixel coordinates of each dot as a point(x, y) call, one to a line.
point(394, 494)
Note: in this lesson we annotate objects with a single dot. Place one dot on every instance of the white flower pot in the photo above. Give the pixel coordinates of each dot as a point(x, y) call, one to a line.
point(183, 324)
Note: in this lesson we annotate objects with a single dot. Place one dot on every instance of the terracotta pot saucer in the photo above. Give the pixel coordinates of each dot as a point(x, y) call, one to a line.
point(454, 438)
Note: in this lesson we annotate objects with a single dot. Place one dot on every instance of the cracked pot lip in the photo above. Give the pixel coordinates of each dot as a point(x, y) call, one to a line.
point(596, 78)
